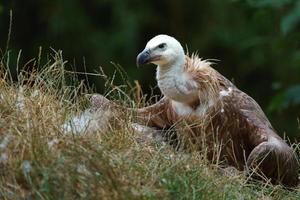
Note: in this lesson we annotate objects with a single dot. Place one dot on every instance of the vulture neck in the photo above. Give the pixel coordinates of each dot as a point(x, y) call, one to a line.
point(172, 81)
point(174, 69)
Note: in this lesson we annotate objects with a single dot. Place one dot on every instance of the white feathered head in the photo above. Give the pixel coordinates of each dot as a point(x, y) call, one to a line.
point(162, 50)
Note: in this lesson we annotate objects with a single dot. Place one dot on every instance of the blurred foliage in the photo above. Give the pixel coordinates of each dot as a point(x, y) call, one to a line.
point(256, 41)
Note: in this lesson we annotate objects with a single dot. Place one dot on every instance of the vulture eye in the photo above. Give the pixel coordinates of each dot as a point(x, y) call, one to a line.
point(162, 45)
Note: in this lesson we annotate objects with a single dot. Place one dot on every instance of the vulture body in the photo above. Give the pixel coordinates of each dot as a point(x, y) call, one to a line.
point(216, 111)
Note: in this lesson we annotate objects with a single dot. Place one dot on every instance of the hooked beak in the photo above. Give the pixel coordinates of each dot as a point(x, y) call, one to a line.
point(143, 58)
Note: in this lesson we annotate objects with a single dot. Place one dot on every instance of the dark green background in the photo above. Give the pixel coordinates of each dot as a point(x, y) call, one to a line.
point(256, 41)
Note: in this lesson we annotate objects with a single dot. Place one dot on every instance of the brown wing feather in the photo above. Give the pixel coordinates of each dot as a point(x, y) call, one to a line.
point(247, 129)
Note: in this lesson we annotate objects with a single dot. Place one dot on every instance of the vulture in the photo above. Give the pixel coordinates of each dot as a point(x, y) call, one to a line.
point(210, 113)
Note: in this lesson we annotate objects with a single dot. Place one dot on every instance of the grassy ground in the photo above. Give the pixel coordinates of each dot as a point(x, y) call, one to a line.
point(39, 161)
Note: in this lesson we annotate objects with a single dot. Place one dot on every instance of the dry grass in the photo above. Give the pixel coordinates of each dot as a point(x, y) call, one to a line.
point(39, 161)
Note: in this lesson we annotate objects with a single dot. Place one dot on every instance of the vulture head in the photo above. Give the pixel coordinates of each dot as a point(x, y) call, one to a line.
point(162, 50)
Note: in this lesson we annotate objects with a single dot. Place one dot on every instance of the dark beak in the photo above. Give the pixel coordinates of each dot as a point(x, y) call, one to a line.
point(143, 58)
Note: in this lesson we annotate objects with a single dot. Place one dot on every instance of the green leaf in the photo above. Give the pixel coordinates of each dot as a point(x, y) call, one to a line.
point(291, 20)
point(291, 96)
point(277, 102)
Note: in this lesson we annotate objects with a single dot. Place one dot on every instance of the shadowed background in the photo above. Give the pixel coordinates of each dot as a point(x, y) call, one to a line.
point(256, 41)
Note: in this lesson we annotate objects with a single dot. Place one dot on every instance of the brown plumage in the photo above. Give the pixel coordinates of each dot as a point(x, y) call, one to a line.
point(207, 110)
